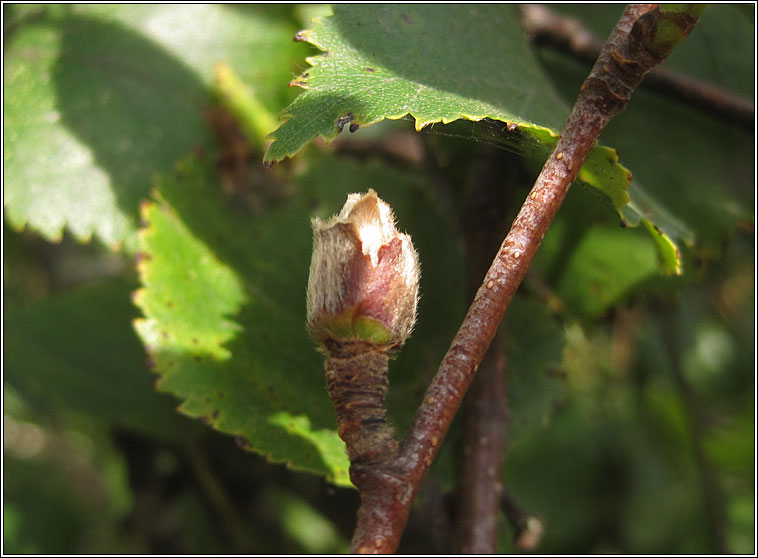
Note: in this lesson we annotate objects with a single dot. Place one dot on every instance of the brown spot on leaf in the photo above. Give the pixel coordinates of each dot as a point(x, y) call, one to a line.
point(142, 256)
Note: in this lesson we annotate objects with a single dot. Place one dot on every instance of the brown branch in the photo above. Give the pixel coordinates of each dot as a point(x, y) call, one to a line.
point(485, 420)
point(484, 447)
point(547, 27)
point(642, 38)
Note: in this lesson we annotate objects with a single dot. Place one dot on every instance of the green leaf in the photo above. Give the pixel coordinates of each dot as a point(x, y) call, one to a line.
point(699, 169)
point(224, 304)
point(230, 341)
point(77, 351)
point(385, 62)
point(607, 265)
point(388, 61)
point(51, 177)
point(99, 98)
point(666, 230)
point(535, 347)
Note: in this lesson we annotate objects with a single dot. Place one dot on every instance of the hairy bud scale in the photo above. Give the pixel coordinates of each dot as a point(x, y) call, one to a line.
point(363, 283)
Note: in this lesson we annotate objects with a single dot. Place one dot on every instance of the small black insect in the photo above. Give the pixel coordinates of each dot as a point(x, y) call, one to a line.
point(344, 120)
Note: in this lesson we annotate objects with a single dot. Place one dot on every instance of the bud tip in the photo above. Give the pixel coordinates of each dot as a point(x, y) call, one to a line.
point(363, 283)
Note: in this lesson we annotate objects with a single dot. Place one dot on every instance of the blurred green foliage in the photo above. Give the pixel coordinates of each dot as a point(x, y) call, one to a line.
point(632, 393)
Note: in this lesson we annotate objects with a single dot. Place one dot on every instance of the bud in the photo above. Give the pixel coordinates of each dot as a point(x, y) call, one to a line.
point(363, 283)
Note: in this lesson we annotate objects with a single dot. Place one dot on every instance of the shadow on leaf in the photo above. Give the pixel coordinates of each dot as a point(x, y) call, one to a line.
point(136, 106)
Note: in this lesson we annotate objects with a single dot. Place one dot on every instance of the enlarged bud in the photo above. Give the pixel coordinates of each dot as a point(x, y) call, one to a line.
point(363, 284)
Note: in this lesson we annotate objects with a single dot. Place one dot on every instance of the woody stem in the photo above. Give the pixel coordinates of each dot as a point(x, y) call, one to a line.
point(642, 38)
point(356, 377)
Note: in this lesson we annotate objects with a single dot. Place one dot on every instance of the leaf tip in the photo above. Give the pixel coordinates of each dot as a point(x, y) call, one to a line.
point(421, 124)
